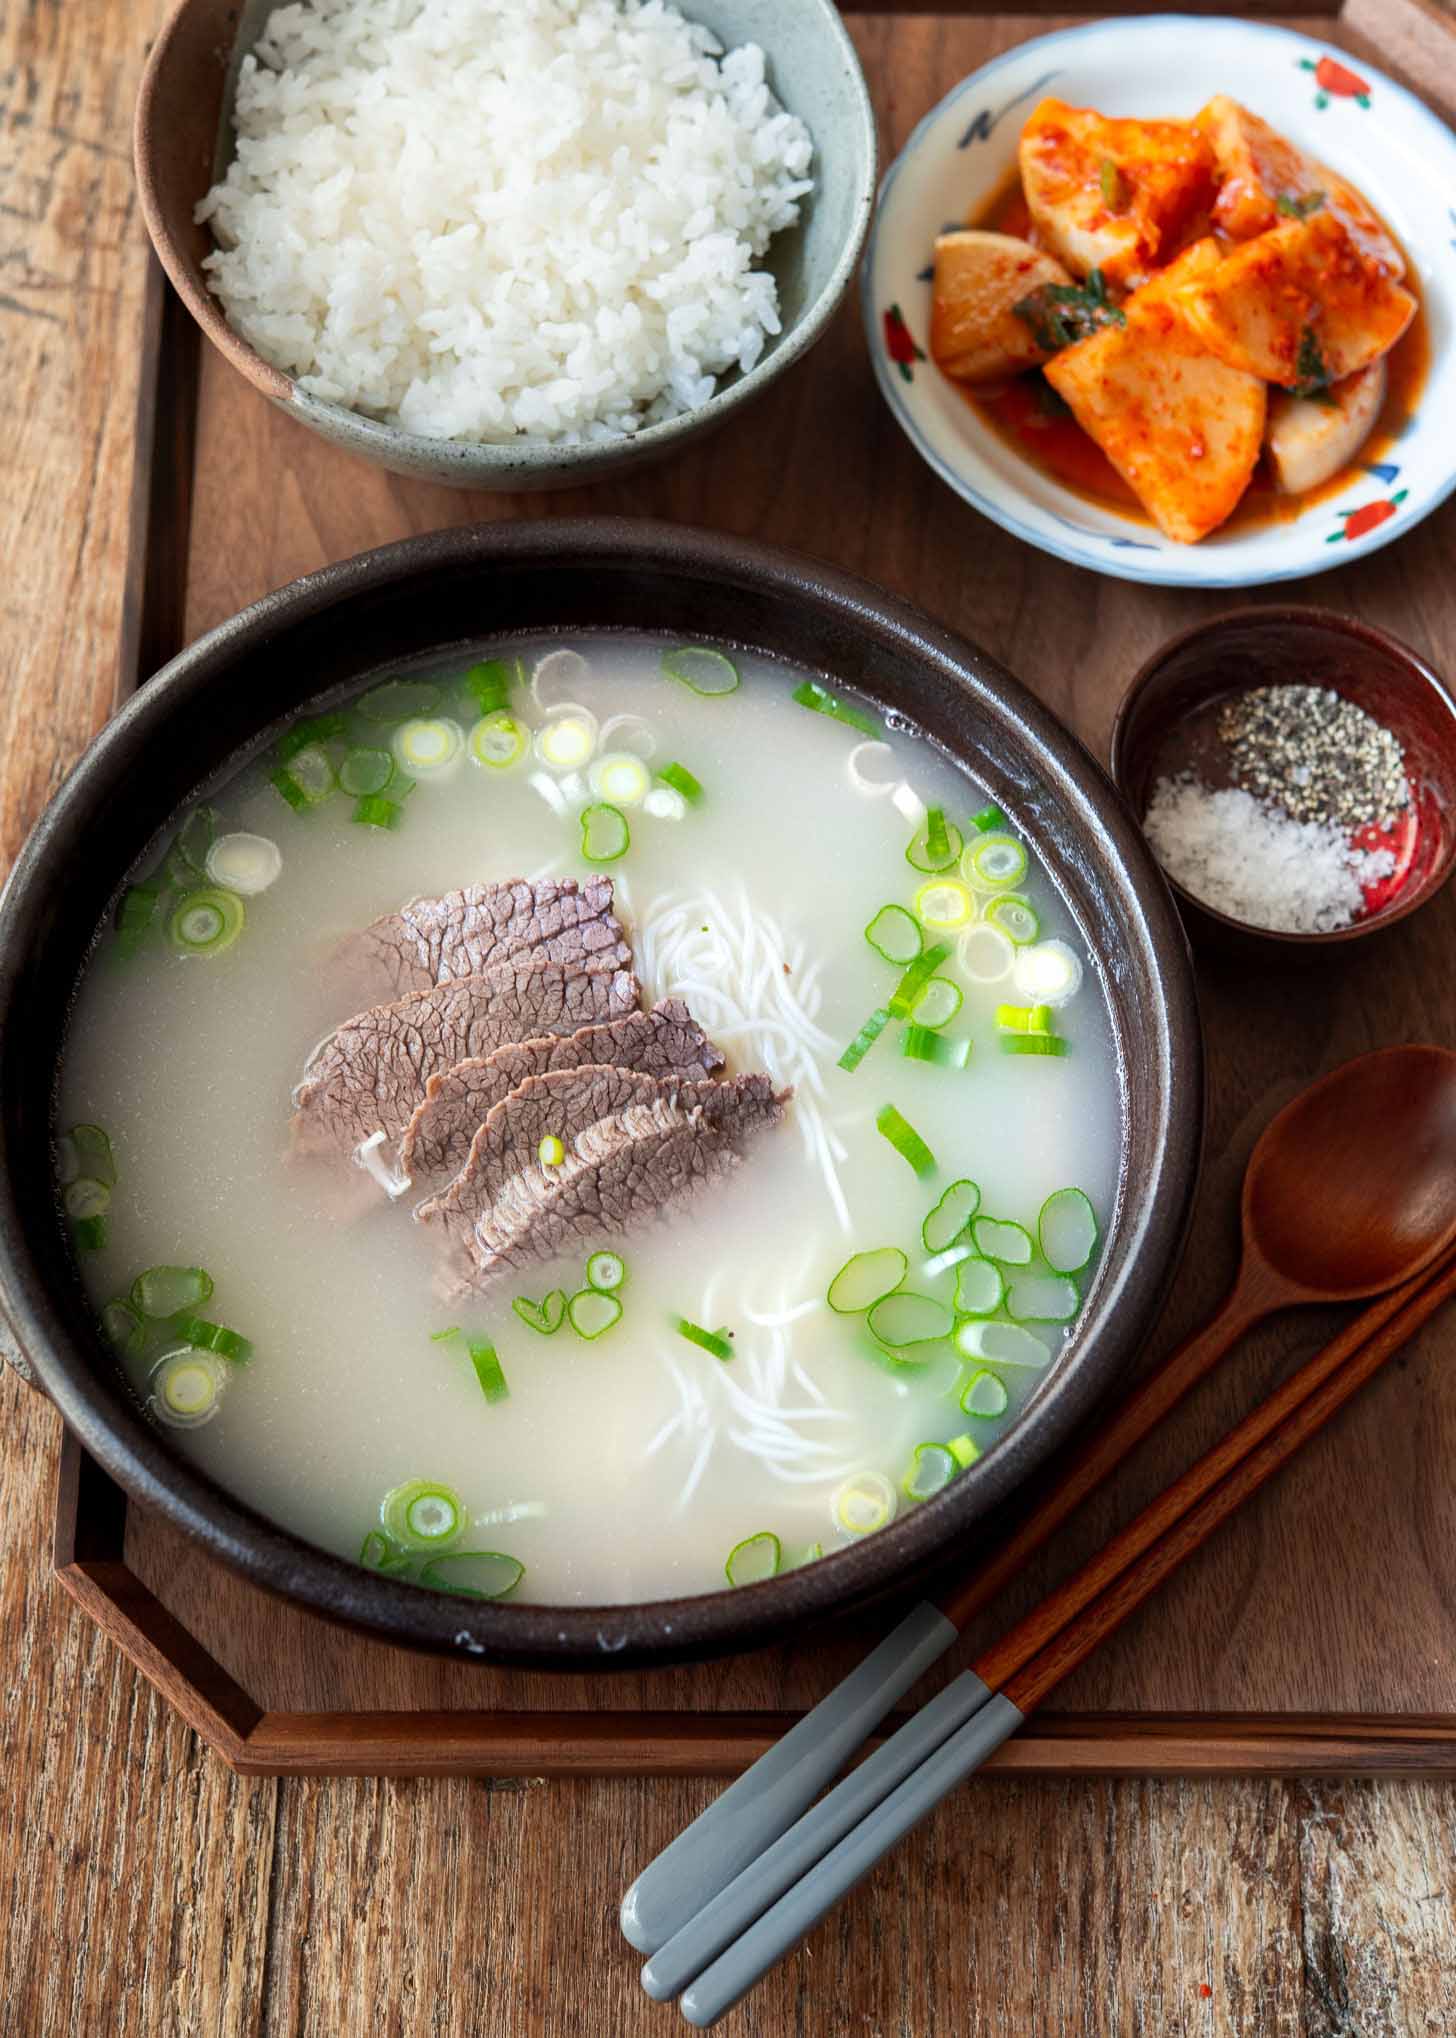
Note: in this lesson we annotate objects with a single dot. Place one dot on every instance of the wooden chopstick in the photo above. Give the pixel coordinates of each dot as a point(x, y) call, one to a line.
point(1058, 1635)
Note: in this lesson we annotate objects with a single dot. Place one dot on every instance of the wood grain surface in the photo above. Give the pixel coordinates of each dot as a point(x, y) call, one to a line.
point(146, 1890)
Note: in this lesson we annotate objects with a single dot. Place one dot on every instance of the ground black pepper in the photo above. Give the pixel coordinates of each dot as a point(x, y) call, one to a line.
point(1315, 754)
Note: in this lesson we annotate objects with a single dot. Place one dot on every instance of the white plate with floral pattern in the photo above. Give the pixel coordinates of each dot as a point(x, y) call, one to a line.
point(961, 156)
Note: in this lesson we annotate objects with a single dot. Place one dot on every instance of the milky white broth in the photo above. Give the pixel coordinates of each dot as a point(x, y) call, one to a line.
point(189, 1063)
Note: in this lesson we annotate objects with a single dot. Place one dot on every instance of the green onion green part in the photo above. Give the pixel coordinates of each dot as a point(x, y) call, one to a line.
point(905, 1140)
point(399, 699)
point(1015, 916)
point(894, 933)
point(94, 1157)
point(365, 771)
point(707, 1340)
point(89, 1234)
point(377, 812)
point(606, 1271)
point(1034, 1043)
point(206, 921)
point(905, 1319)
point(421, 1515)
point(592, 1313)
point(308, 734)
point(498, 741)
point(865, 1279)
point(980, 1287)
point(604, 833)
point(994, 862)
point(1024, 1018)
point(945, 905)
point(921, 1043)
point(938, 1003)
point(952, 1214)
point(378, 1553)
point(965, 1450)
point(473, 1574)
point(1001, 1240)
point(161, 1292)
point(755, 1558)
point(1042, 1298)
point(865, 1039)
point(488, 1370)
point(1066, 1231)
point(546, 1316)
point(489, 685)
point(681, 780)
point(988, 819)
point(307, 780)
point(823, 702)
point(136, 910)
point(917, 976)
point(700, 667)
point(984, 1395)
point(124, 1328)
point(212, 1337)
point(926, 852)
point(931, 1470)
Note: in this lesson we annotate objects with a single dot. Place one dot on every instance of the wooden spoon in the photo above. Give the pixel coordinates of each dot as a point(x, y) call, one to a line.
point(1350, 1191)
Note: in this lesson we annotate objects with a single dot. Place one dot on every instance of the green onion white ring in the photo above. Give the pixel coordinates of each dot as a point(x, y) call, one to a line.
point(1048, 972)
point(629, 732)
point(422, 1514)
point(620, 777)
point(994, 862)
point(429, 749)
point(985, 954)
point(206, 922)
point(907, 802)
point(246, 864)
point(187, 1388)
point(561, 672)
point(859, 757)
point(862, 1503)
point(567, 738)
point(663, 804)
point(945, 905)
point(85, 1198)
point(498, 740)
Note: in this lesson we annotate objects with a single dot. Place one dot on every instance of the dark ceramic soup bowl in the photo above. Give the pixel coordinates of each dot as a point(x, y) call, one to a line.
point(441, 596)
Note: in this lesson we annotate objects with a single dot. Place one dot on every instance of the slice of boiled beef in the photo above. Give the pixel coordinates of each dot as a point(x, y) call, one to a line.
point(636, 1144)
point(665, 1041)
point(371, 1073)
point(465, 933)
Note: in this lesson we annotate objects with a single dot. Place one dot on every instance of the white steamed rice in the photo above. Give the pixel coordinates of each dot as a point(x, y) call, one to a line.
point(482, 218)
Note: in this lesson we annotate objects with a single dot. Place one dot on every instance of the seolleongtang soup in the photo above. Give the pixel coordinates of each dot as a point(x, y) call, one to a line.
point(589, 1124)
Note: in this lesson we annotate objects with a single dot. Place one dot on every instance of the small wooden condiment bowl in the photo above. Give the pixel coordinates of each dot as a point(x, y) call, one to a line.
point(1164, 726)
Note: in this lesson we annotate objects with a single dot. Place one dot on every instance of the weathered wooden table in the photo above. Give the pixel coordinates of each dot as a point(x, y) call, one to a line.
point(146, 1890)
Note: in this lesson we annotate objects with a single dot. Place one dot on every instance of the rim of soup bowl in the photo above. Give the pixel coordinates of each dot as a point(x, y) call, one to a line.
point(47, 926)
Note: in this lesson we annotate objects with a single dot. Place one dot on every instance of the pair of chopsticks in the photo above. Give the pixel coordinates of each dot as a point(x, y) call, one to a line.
point(746, 1924)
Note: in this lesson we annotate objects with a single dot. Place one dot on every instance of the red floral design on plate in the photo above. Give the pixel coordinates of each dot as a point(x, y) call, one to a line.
point(1356, 522)
point(900, 343)
point(1336, 81)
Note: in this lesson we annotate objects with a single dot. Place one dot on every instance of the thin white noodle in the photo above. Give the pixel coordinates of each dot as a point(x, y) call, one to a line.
point(779, 1319)
point(806, 1382)
point(700, 1465)
point(669, 1429)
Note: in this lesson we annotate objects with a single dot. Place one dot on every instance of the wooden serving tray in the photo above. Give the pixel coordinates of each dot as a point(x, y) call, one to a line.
point(1318, 1630)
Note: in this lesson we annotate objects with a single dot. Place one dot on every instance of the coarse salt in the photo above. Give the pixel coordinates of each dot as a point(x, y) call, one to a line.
point(1255, 863)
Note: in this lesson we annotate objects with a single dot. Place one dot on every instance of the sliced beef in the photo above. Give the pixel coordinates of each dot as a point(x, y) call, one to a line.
point(664, 1041)
point(635, 1145)
point(371, 1073)
point(436, 941)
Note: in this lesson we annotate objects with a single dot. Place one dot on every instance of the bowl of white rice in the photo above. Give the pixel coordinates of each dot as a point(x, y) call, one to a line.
point(508, 244)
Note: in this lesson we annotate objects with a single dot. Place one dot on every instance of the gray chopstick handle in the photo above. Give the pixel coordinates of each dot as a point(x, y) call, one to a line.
point(734, 1909)
point(730, 1977)
point(767, 1798)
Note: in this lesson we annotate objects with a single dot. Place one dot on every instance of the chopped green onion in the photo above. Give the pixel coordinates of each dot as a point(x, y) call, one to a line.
point(430, 748)
point(399, 699)
point(916, 977)
point(566, 739)
point(307, 779)
point(186, 860)
point(701, 668)
point(920, 1043)
point(604, 833)
point(905, 1140)
point(1048, 972)
point(1042, 1298)
point(994, 862)
point(474, 1574)
point(865, 1279)
point(499, 741)
point(1024, 1018)
point(206, 922)
point(707, 1340)
point(985, 1395)
point(94, 1157)
point(137, 909)
point(620, 777)
point(938, 1003)
point(952, 1214)
point(946, 905)
point(810, 1554)
point(663, 804)
point(287, 788)
point(987, 819)
point(1067, 1231)
point(905, 1371)
point(905, 1319)
point(489, 684)
point(212, 1337)
point(161, 1292)
point(934, 847)
point(187, 1388)
point(377, 812)
point(378, 1553)
point(546, 1316)
point(1015, 916)
point(488, 1370)
point(865, 1039)
point(366, 771)
point(931, 1470)
point(754, 1559)
point(823, 702)
point(863, 1503)
point(894, 933)
point(1001, 1240)
point(965, 1450)
point(980, 1286)
point(245, 864)
point(591, 1313)
point(124, 1327)
point(606, 1271)
point(1000, 1344)
point(551, 1152)
point(681, 780)
point(89, 1234)
point(308, 734)
point(421, 1515)
point(1033, 1043)
point(985, 954)
point(444, 1337)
